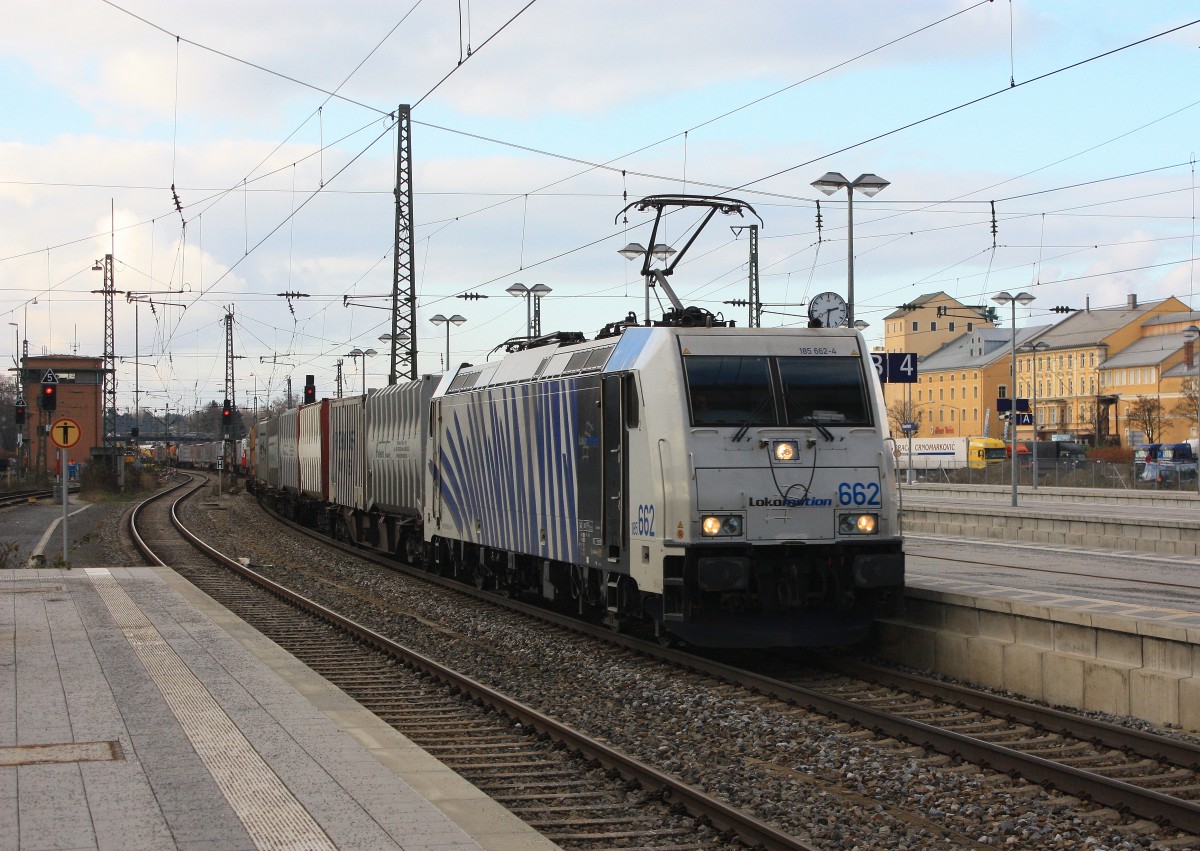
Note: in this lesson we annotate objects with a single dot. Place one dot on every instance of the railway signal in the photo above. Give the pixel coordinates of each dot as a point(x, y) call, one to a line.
point(20, 413)
point(310, 390)
point(226, 415)
point(49, 397)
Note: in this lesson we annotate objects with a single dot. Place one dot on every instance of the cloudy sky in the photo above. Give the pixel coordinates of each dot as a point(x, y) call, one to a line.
point(534, 124)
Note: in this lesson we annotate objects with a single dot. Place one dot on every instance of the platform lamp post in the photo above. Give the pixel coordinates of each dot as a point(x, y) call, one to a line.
point(1003, 298)
point(1034, 349)
point(442, 320)
point(869, 185)
point(362, 356)
point(661, 252)
point(1192, 334)
point(533, 306)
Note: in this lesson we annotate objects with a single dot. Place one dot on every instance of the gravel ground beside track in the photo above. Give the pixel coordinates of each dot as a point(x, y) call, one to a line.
point(842, 788)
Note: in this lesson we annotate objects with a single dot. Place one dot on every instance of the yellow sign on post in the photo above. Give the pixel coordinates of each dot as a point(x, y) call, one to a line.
point(65, 432)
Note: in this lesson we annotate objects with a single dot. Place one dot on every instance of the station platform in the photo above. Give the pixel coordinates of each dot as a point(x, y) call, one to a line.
point(135, 712)
point(1126, 659)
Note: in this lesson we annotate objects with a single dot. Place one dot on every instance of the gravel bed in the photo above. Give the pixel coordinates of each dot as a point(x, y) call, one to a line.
point(837, 786)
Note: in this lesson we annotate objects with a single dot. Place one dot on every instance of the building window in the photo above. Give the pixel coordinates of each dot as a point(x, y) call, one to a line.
point(932, 326)
point(970, 327)
point(975, 392)
point(951, 326)
point(1002, 391)
point(914, 325)
point(952, 394)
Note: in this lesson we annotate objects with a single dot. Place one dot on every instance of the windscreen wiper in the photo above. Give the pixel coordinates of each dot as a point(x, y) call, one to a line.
point(825, 433)
point(741, 432)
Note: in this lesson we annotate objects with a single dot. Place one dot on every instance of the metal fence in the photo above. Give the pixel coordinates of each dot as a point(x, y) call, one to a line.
point(1066, 474)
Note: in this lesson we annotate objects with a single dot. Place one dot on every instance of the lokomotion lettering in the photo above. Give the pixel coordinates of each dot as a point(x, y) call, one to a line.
point(790, 502)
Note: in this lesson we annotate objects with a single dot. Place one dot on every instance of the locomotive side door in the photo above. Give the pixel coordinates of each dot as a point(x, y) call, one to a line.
point(615, 446)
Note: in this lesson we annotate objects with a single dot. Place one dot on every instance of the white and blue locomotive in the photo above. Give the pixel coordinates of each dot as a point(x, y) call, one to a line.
point(728, 486)
point(724, 486)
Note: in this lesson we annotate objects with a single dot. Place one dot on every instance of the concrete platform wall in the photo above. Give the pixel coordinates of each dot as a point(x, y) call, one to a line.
point(1164, 536)
point(1078, 659)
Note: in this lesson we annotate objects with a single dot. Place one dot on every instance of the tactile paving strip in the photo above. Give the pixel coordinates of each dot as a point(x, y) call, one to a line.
point(266, 807)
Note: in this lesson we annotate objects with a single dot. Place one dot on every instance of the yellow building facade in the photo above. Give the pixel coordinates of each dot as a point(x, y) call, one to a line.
point(1085, 374)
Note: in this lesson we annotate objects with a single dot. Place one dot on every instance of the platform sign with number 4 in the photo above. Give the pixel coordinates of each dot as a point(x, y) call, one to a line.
point(895, 367)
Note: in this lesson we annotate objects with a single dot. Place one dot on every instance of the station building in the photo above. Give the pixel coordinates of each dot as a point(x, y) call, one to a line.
point(1096, 374)
point(80, 398)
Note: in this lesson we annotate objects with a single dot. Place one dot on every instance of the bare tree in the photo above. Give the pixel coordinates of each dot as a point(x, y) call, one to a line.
point(1186, 407)
point(1146, 412)
point(900, 411)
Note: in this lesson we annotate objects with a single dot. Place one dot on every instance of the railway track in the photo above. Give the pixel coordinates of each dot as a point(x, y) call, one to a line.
point(1132, 772)
point(574, 789)
point(8, 500)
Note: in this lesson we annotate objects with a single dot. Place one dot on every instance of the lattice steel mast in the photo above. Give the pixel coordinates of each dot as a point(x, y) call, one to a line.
point(110, 358)
point(404, 324)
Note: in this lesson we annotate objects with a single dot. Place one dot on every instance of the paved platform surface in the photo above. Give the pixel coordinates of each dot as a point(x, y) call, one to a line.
point(136, 713)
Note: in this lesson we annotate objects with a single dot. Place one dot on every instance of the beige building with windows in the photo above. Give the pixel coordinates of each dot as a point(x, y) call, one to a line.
point(1095, 364)
point(958, 386)
point(1090, 369)
point(933, 321)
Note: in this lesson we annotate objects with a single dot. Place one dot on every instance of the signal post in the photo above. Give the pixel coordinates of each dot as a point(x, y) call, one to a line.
point(65, 433)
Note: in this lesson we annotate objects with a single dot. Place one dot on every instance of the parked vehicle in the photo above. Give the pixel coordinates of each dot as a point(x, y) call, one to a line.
point(951, 453)
point(1051, 453)
point(1176, 462)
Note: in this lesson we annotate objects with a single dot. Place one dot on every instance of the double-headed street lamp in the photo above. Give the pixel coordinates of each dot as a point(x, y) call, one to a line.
point(661, 252)
point(442, 320)
point(363, 355)
point(869, 185)
point(1003, 298)
point(533, 306)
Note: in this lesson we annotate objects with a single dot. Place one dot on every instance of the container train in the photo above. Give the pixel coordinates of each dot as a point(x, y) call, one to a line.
point(722, 486)
point(212, 455)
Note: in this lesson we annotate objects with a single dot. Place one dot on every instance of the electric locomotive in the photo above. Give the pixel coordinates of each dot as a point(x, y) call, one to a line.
point(731, 486)
point(722, 486)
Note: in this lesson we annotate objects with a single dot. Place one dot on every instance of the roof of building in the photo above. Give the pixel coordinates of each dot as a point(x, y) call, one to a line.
point(1192, 316)
point(1090, 327)
point(1148, 351)
point(1182, 370)
point(900, 313)
point(977, 349)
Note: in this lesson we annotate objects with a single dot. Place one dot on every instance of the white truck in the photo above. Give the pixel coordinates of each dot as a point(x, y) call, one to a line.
point(951, 453)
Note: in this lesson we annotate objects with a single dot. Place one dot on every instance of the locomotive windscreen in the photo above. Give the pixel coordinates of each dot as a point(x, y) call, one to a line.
point(730, 390)
point(765, 391)
point(829, 391)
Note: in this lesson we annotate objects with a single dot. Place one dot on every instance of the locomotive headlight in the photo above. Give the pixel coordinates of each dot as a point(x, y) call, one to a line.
point(786, 450)
point(858, 524)
point(721, 525)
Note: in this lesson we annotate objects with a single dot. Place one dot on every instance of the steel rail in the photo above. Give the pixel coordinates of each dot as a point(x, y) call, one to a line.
point(724, 817)
point(1094, 730)
point(1110, 792)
